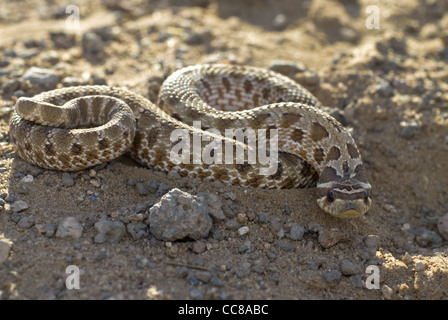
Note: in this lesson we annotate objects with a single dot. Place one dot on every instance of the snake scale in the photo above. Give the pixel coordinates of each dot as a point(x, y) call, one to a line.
point(78, 127)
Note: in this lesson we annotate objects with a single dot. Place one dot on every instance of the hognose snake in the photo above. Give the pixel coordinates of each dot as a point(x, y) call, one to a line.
point(99, 123)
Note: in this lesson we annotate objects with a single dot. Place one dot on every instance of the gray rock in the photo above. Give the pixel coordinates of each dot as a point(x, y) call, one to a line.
point(296, 232)
point(330, 237)
point(67, 179)
point(442, 226)
point(19, 206)
point(153, 186)
point(196, 294)
point(131, 182)
point(92, 44)
point(163, 189)
point(69, 227)
point(141, 189)
point(349, 268)
point(109, 231)
point(25, 222)
point(214, 203)
point(284, 245)
point(44, 78)
point(427, 238)
point(203, 276)
point(179, 215)
point(288, 68)
point(332, 276)
point(409, 129)
point(137, 230)
point(5, 248)
point(232, 224)
point(173, 175)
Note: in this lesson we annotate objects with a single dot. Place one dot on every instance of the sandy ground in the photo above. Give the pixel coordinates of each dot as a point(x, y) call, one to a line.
point(388, 85)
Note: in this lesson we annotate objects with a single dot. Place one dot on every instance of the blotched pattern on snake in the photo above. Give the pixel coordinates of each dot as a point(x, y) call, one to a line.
point(78, 127)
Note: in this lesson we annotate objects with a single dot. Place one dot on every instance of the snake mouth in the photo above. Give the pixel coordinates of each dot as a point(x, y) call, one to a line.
point(350, 213)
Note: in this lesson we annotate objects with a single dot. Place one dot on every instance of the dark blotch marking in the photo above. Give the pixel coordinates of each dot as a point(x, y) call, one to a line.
point(248, 86)
point(307, 169)
point(278, 174)
point(318, 132)
point(206, 85)
point(333, 154)
point(176, 116)
point(243, 168)
point(297, 135)
point(352, 151)
point(226, 84)
point(360, 173)
point(266, 93)
point(319, 155)
point(289, 119)
point(103, 144)
point(328, 174)
point(49, 150)
point(28, 147)
point(76, 148)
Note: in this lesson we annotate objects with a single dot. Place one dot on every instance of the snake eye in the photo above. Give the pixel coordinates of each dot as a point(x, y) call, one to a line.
point(330, 196)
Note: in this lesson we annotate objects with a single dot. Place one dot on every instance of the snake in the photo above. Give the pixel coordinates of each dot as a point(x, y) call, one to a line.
point(74, 128)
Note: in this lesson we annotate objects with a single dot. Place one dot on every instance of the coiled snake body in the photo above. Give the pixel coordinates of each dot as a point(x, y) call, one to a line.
point(77, 127)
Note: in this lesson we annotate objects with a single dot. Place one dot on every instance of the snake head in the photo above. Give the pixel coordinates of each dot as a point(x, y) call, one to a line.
point(345, 198)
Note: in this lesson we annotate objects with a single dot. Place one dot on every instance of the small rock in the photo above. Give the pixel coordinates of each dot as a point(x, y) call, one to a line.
point(28, 178)
point(44, 78)
point(419, 266)
point(109, 231)
point(232, 224)
point(332, 276)
point(5, 248)
point(179, 215)
point(137, 230)
point(67, 179)
point(69, 228)
point(296, 232)
point(427, 238)
point(195, 293)
point(141, 189)
point(25, 222)
point(203, 276)
point(95, 182)
point(442, 226)
point(280, 22)
point(409, 129)
point(251, 215)
point(245, 247)
point(199, 247)
point(215, 204)
point(131, 182)
point(19, 206)
point(243, 230)
point(330, 237)
point(387, 292)
point(284, 245)
point(174, 175)
point(407, 258)
point(372, 242)
point(162, 190)
point(153, 186)
point(288, 68)
point(349, 268)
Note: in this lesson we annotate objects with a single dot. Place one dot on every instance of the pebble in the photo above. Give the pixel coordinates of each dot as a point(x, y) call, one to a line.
point(284, 245)
point(330, 237)
point(203, 276)
point(195, 293)
point(5, 248)
point(243, 230)
point(67, 179)
point(142, 189)
point(427, 238)
point(387, 292)
point(287, 68)
point(296, 232)
point(245, 247)
point(92, 44)
point(332, 276)
point(442, 226)
point(25, 222)
point(47, 229)
point(419, 266)
point(44, 78)
point(153, 186)
point(280, 22)
point(409, 128)
point(232, 224)
point(96, 183)
point(28, 178)
point(199, 247)
point(109, 231)
point(407, 258)
point(179, 215)
point(137, 230)
point(349, 268)
point(214, 203)
point(162, 190)
point(173, 175)
point(19, 206)
point(69, 227)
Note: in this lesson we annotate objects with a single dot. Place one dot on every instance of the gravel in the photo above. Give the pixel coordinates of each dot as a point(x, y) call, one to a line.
point(427, 238)
point(19, 206)
point(332, 276)
point(296, 232)
point(330, 237)
point(179, 215)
